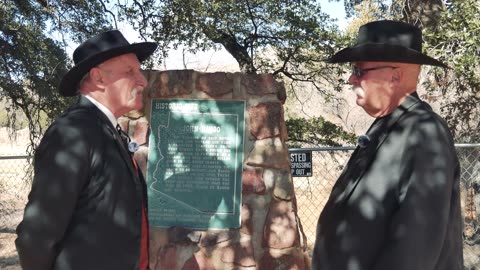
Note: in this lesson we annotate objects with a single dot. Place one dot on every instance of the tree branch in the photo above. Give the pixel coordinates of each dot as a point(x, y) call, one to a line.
point(255, 27)
point(144, 20)
point(111, 13)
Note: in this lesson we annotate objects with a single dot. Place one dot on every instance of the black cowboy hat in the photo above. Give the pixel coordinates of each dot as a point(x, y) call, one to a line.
point(97, 50)
point(386, 41)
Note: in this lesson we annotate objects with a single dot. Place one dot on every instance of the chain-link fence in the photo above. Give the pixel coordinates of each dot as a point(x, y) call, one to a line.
point(14, 188)
point(328, 162)
point(311, 193)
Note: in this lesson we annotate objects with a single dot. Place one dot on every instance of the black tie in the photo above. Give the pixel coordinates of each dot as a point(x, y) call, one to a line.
point(124, 136)
point(126, 141)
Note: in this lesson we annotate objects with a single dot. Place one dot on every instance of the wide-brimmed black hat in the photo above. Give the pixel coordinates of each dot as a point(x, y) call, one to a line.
point(97, 50)
point(386, 41)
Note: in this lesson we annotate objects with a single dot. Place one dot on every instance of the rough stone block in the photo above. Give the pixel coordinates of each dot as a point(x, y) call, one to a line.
point(269, 153)
point(260, 84)
point(239, 254)
point(282, 93)
point(265, 120)
point(239, 93)
point(213, 238)
point(283, 186)
point(158, 239)
point(292, 261)
point(247, 222)
point(170, 83)
point(306, 259)
point(140, 132)
point(283, 131)
point(252, 182)
point(199, 261)
point(167, 258)
point(181, 235)
point(258, 206)
point(215, 84)
point(281, 230)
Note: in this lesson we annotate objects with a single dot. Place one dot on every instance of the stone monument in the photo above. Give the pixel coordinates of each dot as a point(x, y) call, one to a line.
point(270, 235)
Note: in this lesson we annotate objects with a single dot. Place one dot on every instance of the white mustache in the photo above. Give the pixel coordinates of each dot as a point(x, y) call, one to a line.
point(358, 91)
point(135, 91)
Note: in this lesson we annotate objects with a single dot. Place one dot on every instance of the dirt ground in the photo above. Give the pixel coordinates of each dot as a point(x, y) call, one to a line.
point(8, 253)
point(13, 195)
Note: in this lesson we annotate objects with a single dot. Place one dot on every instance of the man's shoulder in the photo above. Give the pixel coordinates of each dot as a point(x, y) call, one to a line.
point(423, 113)
point(423, 122)
point(78, 120)
point(80, 114)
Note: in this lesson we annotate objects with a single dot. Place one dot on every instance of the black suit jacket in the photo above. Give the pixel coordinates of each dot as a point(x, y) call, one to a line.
point(396, 205)
point(84, 209)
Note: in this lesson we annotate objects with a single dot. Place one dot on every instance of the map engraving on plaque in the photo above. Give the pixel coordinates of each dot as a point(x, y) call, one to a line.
point(195, 162)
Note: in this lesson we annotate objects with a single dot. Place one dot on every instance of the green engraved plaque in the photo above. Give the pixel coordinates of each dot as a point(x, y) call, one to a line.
point(194, 171)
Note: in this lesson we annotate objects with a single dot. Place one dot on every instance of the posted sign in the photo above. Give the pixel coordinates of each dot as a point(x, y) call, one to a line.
point(301, 163)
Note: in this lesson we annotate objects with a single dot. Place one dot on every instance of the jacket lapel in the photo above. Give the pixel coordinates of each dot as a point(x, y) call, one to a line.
point(362, 158)
point(111, 131)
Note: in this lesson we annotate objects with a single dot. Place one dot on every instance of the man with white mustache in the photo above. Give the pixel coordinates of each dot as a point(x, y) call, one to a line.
point(88, 205)
point(396, 204)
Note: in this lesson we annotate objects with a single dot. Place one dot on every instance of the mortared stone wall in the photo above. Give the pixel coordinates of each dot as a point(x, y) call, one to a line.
point(271, 235)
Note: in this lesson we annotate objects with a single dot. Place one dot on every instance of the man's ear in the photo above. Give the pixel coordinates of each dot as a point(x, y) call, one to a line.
point(396, 75)
point(395, 79)
point(96, 77)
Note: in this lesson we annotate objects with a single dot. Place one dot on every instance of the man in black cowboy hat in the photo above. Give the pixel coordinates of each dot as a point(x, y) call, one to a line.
point(396, 205)
point(87, 206)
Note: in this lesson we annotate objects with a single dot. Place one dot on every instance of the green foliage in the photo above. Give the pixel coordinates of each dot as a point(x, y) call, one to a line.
point(316, 131)
point(30, 65)
point(378, 9)
point(456, 41)
point(451, 31)
point(289, 39)
point(33, 38)
point(285, 38)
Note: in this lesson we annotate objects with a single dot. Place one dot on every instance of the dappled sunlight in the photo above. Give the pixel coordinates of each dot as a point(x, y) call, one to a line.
point(196, 147)
point(400, 192)
point(369, 207)
point(280, 225)
point(84, 194)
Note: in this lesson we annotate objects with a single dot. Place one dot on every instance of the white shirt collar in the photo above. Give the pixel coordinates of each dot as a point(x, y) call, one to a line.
point(104, 109)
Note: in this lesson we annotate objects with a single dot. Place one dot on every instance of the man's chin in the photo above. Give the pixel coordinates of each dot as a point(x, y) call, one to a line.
point(139, 106)
point(360, 101)
point(136, 104)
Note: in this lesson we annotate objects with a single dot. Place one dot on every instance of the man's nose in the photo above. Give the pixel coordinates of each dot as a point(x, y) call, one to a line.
point(141, 80)
point(352, 79)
